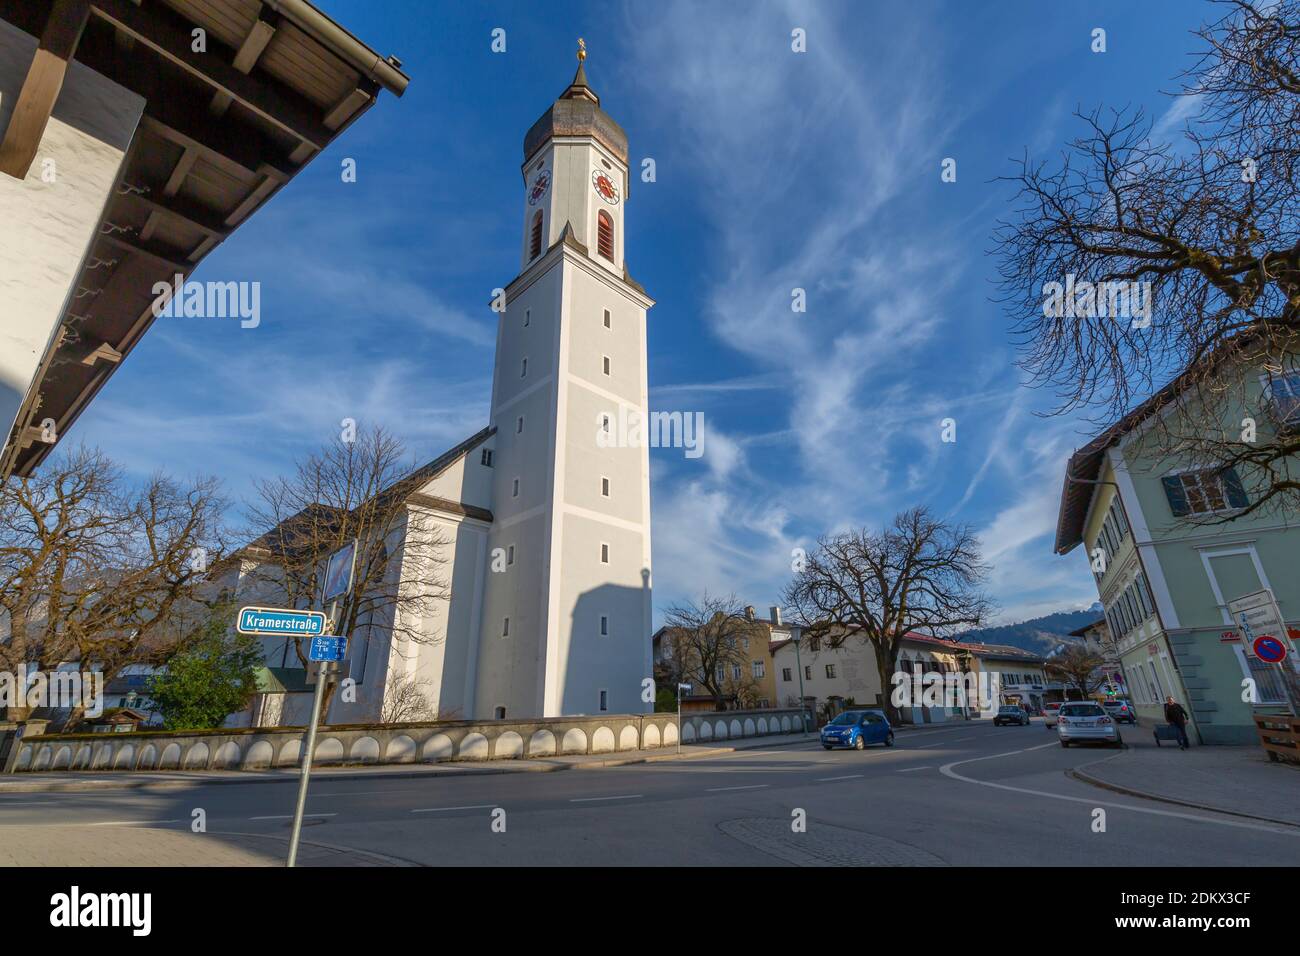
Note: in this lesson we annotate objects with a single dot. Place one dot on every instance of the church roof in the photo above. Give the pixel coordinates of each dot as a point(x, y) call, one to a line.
point(577, 112)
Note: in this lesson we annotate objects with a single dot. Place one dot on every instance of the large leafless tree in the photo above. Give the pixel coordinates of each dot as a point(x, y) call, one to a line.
point(356, 488)
point(918, 574)
point(1204, 218)
point(99, 571)
point(707, 640)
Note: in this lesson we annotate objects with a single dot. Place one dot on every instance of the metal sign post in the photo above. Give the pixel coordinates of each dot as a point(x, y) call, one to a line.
point(327, 650)
point(306, 768)
point(680, 688)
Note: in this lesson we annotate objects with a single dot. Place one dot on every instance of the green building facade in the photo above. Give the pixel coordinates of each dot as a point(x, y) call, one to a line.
point(1167, 563)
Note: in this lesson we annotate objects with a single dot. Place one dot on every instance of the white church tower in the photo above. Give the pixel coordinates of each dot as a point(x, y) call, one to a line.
point(566, 613)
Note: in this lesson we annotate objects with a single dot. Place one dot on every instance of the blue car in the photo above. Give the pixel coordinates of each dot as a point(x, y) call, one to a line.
point(857, 729)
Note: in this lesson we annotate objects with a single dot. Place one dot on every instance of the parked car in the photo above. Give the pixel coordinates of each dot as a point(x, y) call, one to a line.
point(1011, 714)
point(1120, 710)
point(1050, 710)
point(857, 729)
point(1081, 720)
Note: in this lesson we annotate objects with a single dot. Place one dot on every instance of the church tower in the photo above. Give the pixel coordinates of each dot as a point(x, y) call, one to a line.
point(566, 606)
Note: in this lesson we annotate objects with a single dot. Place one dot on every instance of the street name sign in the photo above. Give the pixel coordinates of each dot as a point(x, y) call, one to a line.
point(280, 621)
point(330, 647)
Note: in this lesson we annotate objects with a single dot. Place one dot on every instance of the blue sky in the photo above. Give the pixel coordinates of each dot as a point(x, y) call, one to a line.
point(775, 170)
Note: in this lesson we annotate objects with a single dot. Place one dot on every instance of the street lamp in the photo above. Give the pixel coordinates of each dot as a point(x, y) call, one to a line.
point(680, 688)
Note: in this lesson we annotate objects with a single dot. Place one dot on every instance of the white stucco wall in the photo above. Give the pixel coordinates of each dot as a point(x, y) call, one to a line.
point(48, 226)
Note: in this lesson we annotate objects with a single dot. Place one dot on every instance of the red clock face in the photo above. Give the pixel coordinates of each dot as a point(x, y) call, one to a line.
point(604, 187)
point(541, 183)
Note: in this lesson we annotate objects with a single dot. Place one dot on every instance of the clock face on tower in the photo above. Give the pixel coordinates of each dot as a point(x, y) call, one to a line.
point(541, 183)
point(604, 187)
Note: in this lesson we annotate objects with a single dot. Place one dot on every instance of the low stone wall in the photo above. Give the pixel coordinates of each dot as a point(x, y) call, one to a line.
point(257, 748)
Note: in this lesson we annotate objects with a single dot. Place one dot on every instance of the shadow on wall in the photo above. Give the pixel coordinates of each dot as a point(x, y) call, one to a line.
point(607, 660)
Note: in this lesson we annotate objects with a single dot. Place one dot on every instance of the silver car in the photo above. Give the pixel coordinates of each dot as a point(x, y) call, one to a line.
point(1083, 720)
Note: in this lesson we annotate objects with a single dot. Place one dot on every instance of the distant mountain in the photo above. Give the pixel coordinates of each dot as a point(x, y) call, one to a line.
point(1039, 635)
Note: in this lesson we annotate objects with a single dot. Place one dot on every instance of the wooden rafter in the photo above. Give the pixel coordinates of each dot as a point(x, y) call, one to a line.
point(41, 88)
point(169, 35)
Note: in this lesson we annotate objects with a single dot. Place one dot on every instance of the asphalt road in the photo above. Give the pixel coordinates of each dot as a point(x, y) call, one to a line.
point(970, 795)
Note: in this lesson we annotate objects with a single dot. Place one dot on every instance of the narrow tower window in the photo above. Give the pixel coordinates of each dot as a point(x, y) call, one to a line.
point(535, 242)
point(605, 235)
point(607, 318)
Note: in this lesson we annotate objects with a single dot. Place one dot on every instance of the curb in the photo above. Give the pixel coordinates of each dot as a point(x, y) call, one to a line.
point(1087, 778)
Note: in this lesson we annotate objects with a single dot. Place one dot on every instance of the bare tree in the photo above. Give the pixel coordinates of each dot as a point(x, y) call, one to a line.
point(406, 699)
point(918, 574)
point(96, 571)
point(1078, 664)
point(1203, 234)
point(352, 491)
point(707, 640)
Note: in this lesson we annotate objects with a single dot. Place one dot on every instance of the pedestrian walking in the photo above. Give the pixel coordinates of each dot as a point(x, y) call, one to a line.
point(1177, 717)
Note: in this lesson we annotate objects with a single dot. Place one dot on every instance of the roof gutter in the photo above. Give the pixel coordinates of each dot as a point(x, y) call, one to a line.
point(385, 72)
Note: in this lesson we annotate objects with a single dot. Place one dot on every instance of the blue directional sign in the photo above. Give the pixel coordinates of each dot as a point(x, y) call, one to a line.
point(281, 621)
point(328, 648)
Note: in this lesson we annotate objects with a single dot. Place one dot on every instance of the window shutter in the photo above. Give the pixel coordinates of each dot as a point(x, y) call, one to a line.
point(1174, 492)
point(1233, 488)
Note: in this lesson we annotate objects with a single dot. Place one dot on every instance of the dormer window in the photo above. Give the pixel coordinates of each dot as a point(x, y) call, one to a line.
point(535, 241)
point(605, 235)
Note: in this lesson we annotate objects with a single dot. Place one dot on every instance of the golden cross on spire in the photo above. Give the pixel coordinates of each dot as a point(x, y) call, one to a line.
point(582, 49)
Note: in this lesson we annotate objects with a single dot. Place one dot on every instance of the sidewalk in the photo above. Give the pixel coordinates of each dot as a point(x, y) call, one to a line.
point(84, 780)
point(146, 846)
point(1235, 780)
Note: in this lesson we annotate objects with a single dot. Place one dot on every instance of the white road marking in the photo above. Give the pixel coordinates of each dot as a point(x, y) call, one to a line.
point(947, 771)
point(476, 806)
point(628, 796)
point(910, 769)
point(289, 816)
point(756, 786)
point(851, 776)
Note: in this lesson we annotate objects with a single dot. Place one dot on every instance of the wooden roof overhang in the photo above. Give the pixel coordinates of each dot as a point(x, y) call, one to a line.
point(223, 130)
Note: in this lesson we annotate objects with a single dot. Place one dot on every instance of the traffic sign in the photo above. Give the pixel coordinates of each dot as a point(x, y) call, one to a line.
point(339, 571)
point(280, 621)
point(1269, 649)
point(328, 648)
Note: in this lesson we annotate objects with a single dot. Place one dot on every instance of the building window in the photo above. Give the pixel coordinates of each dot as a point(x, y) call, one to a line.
point(785, 674)
point(604, 423)
point(759, 669)
point(604, 625)
point(535, 241)
point(528, 317)
point(604, 553)
point(605, 363)
point(604, 701)
point(605, 235)
point(604, 487)
point(523, 369)
point(500, 713)
point(1204, 492)
point(607, 319)
point(735, 672)
point(830, 670)
point(807, 672)
point(505, 627)
point(519, 425)
point(486, 457)
point(510, 555)
point(515, 491)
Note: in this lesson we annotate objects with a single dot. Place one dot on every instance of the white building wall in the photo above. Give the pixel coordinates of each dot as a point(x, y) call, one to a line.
point(48, 226)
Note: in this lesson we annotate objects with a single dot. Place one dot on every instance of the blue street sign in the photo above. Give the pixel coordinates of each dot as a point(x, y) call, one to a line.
point(328, 648)
point(280, 621)
point(1269, 649)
